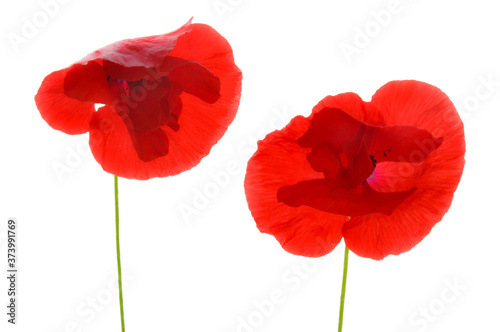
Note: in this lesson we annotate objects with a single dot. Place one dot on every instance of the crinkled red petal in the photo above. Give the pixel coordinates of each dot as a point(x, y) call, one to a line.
point(193, 78)
point(401, 144)
point(331, 125)
point(182, 121)
point(428, 167)
point(353, 105)
point(353, 202)
point(203, 123)
point(118, 152)
point(323, 158)
point(150, 145)
point(88, 83)
point(58, 110)
point(278, 162)
point(146, 111)
point(346, 151)
point(199, 124)
point(436, 178)
point(129, 53)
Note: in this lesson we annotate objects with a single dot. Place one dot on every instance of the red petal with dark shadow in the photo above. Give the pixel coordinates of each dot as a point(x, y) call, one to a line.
point(58, 110)
point(146, 110)
point(324, 158)
point(159, 121)
point(353, 202)
point(193, 78)
point(331, 125)
point(88, 83)
point(401, 143)
point(353, 105)
point(119, 154)
point(130, 54)
point(150, 145)
point(278, 162)
point(200, 124)
point(418, 161)
point(436, 178)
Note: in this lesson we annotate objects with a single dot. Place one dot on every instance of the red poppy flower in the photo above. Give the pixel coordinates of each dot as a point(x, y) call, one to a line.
point(167, 100)
point(380, 174)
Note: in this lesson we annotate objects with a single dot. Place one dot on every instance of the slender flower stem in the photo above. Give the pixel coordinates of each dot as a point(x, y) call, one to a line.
point(342, 295)
point(117, 221)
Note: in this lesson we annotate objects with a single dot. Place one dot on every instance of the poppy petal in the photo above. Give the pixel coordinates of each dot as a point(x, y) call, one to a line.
point(191, 125)
point(163, 113)
point(278, 162)
point(377, 236)
point(205, 46)
point(193, 78)
point(202, 124)
point(88, 83)
point(145, 112)
point(331, 125)
point(353, 105)
point(129, 53)
point(62, 113)
point(323, 158)
point(401, 143)
point(352, 202)
point(112, 146)
point(417, 104)
point(336, 134)
point(436, 178)
point(150, 145)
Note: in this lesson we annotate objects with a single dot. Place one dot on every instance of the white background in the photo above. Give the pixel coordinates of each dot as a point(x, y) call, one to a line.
point(206, 272)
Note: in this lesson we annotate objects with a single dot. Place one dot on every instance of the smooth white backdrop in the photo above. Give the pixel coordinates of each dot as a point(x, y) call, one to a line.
point(214, 271)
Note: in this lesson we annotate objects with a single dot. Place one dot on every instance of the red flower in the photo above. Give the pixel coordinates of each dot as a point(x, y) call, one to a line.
point(380, 174)
point(168, 99)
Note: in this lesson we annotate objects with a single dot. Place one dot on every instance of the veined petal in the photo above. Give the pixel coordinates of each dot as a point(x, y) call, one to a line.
point(353, 202)
point(193, 78)
point(412, 135)
point(129, 53)
point(331, 125)
point(62, 113)
point(202, 123)
point(401, 143)
point(436, 178)
point(138, 156)
point(280, 161)
point(158, 121)
point(88, 83)
point(353, 105)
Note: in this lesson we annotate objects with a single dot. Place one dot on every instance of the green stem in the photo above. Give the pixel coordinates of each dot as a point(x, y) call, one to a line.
point(117, 221)
point(342, 295)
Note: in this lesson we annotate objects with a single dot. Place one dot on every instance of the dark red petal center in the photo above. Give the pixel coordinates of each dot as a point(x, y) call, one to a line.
point(147, 99)
point(347, 151)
